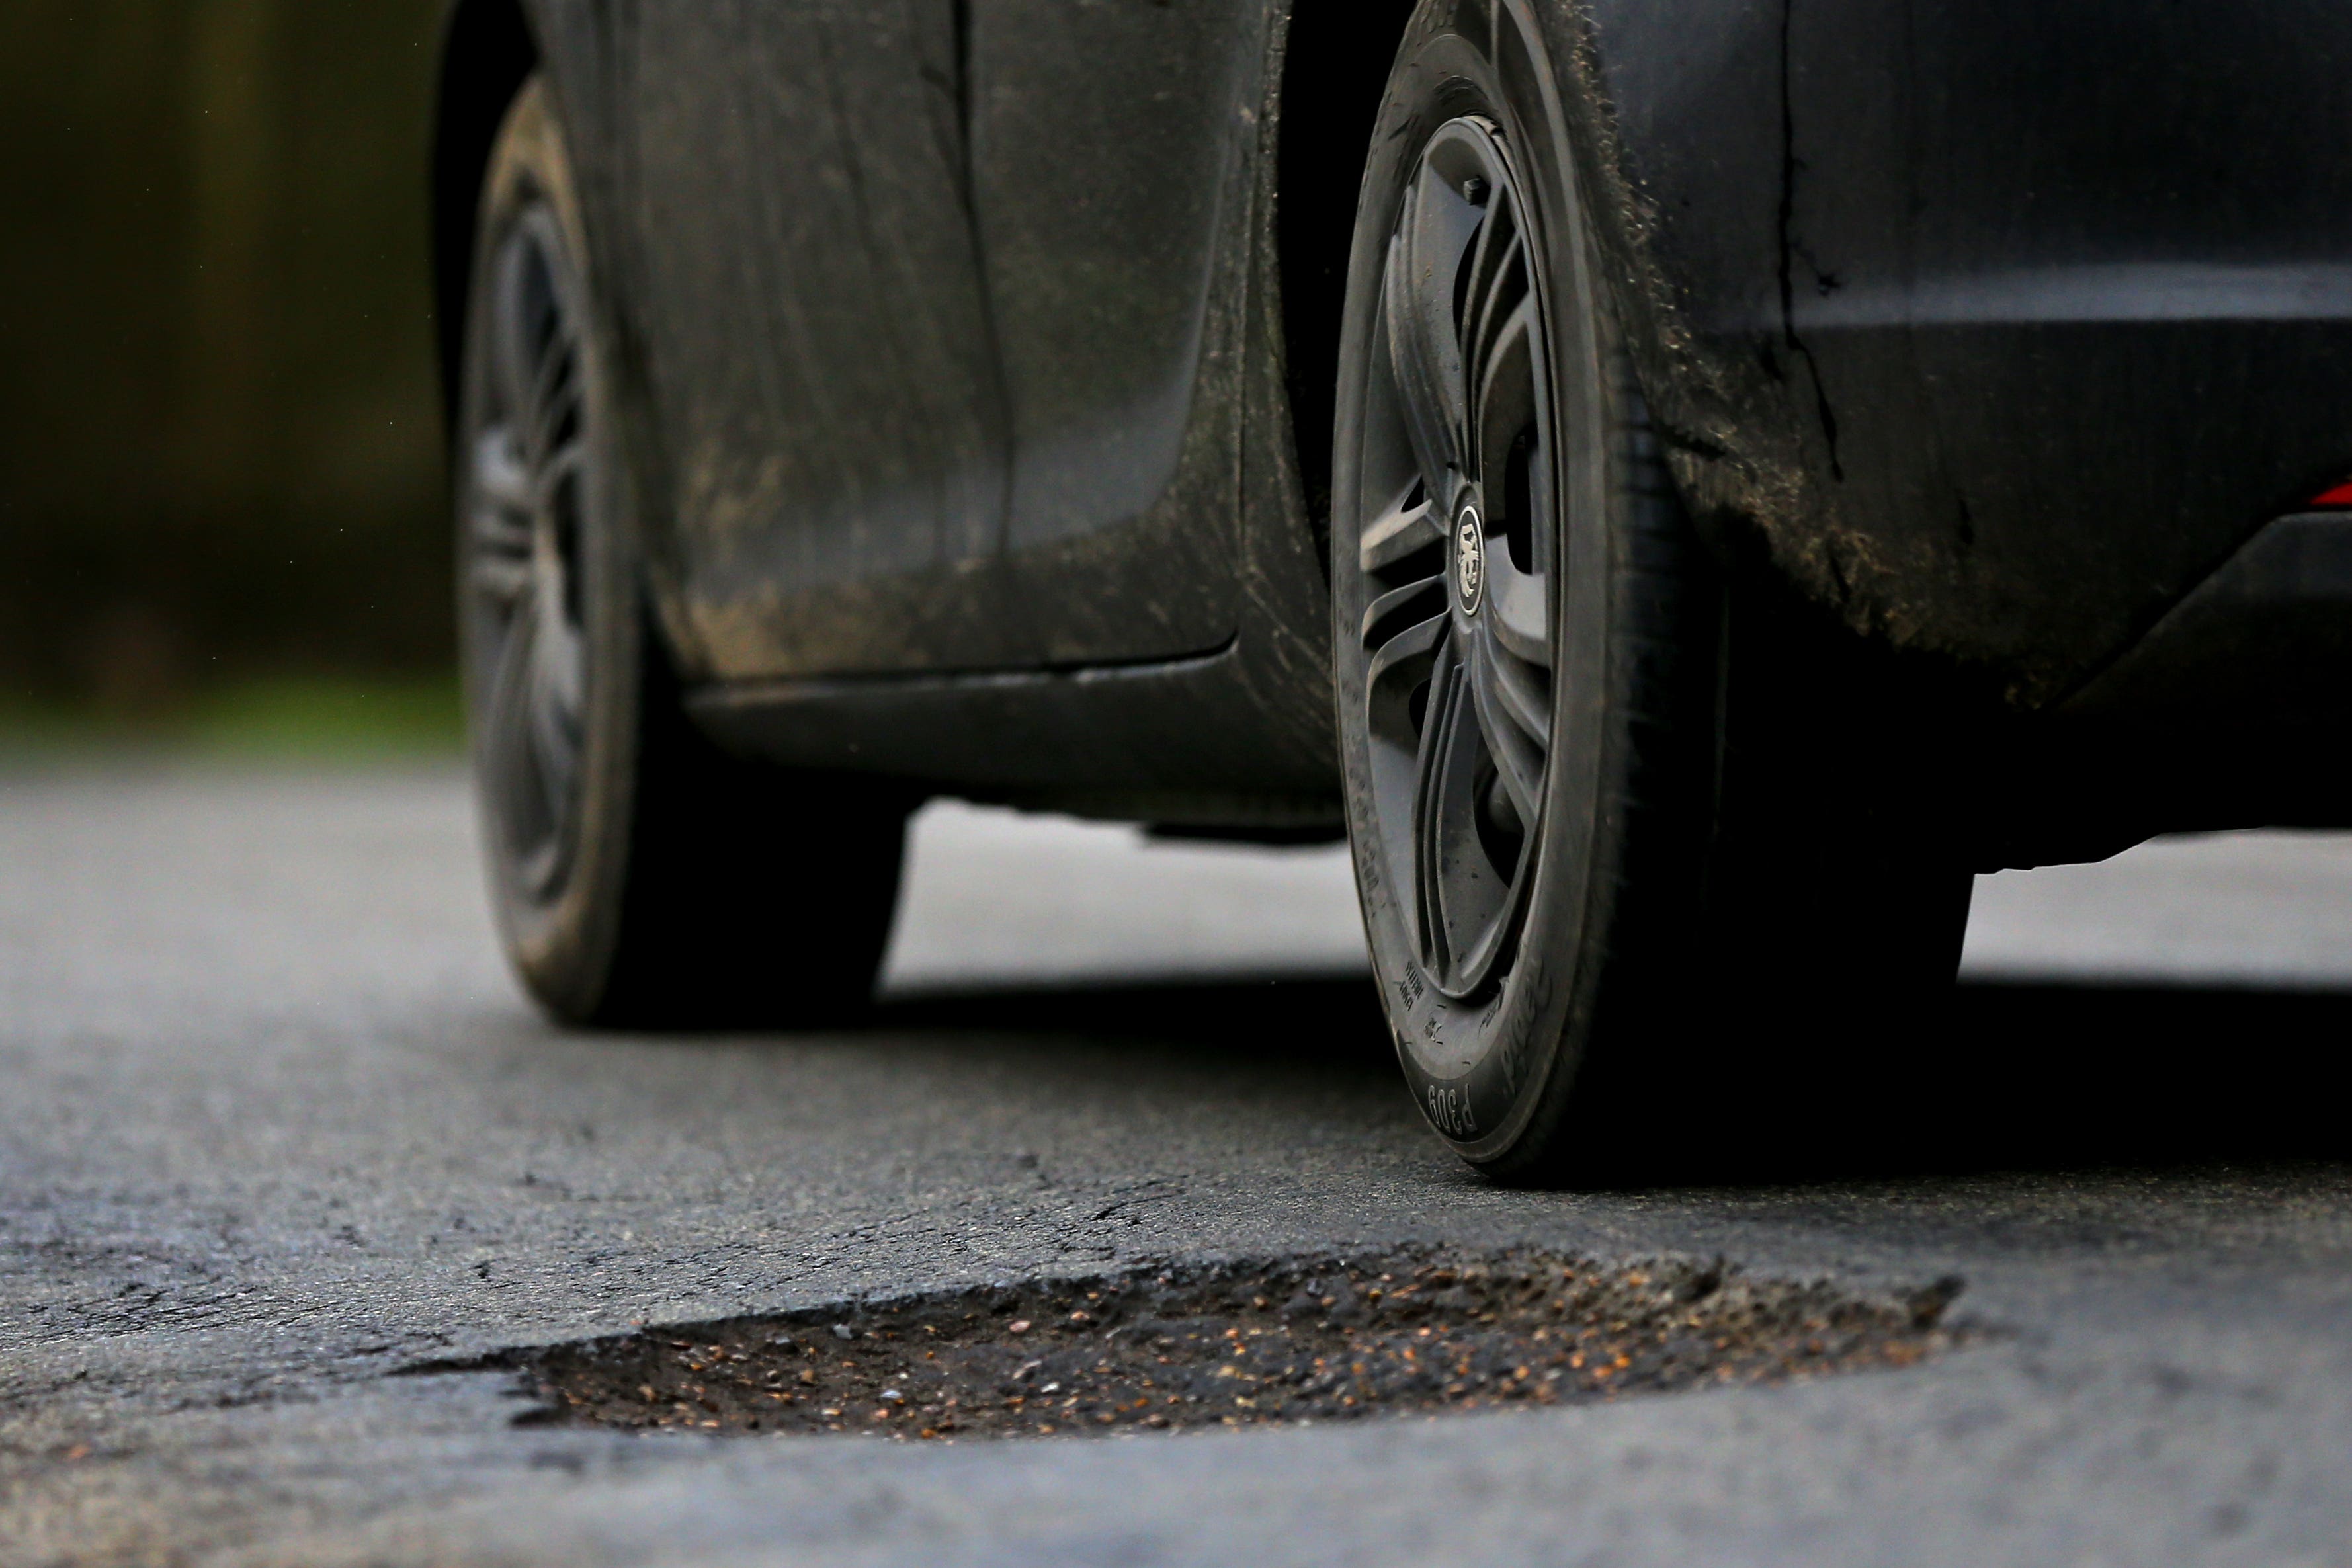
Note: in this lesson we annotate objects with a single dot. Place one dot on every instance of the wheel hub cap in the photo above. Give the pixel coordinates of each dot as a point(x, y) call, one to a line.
point(1469, 557)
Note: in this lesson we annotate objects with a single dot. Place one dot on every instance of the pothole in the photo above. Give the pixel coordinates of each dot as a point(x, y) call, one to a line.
point(1239, 1343)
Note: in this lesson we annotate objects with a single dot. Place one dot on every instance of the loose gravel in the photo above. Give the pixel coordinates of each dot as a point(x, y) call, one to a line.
point(1241, 1344)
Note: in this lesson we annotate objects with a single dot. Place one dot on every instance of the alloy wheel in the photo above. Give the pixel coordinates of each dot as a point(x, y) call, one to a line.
point(529, 489)
point(1458, 558)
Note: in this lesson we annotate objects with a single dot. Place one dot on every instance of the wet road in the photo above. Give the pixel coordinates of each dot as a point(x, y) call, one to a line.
point(277, 1128)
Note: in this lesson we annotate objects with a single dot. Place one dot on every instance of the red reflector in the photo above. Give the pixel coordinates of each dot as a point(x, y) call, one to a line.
point(2339, 496)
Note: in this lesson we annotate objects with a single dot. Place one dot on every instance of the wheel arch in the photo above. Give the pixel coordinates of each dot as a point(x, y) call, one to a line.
point(488, 50)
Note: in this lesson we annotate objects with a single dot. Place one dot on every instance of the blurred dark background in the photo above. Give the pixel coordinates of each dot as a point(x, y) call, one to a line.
point(219, 432)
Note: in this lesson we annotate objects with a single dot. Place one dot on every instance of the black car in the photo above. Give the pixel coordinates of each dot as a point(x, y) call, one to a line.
point(1681, 485)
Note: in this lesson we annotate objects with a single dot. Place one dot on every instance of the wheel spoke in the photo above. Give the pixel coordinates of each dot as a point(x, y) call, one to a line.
point(534, 351)
point(1512, 720)
point(1398, 670)
point(1505, 370)
point(560, 645)
point(1416, 603)
point(1497, 305)
point(1425, 341)
point(554, 719)
point(1410, 524)
point(1518, 609)
point(500, 475)
point(1516, 692)
point(514, 362)
point(1432, 776)
point(499, 562)
point(1506, 410)
point(555, 397)
point(517, 777)
point(564, 466)
point(501, 579)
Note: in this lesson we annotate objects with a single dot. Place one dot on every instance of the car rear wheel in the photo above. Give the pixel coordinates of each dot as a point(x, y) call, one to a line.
point(640, 876)
point(1596, 872)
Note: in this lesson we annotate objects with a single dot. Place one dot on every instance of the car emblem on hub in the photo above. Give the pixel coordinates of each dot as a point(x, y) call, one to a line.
point(1470, 560)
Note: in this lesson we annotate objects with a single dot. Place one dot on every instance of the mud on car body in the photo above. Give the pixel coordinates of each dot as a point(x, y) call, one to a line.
point(1681, 487)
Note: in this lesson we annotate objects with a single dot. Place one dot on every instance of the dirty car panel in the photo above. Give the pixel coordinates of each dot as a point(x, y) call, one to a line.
point(965, 364)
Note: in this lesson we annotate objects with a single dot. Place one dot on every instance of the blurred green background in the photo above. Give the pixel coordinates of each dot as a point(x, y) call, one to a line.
point(221, 508)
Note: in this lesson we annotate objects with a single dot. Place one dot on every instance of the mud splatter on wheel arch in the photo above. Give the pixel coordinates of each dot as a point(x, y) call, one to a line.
point(1245, 1343)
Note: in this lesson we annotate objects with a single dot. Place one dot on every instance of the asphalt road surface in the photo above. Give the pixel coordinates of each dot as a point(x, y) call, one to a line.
point(275, 1128)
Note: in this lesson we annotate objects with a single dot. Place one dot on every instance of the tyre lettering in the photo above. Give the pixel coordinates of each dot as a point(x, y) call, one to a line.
point(1449, 1112)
